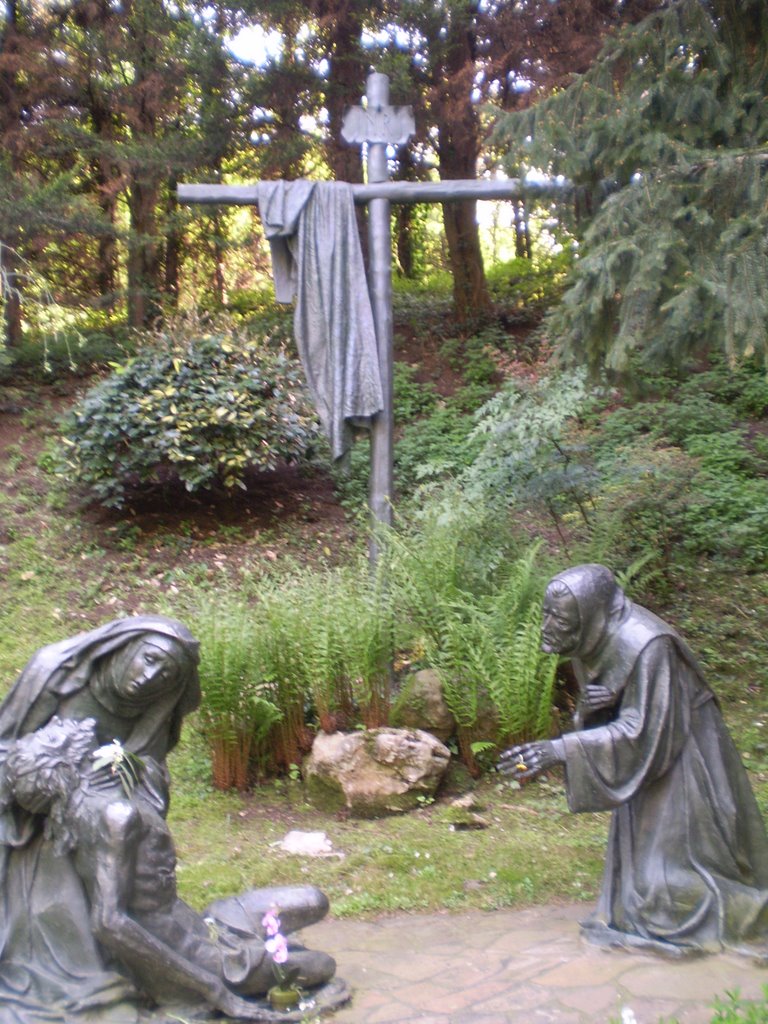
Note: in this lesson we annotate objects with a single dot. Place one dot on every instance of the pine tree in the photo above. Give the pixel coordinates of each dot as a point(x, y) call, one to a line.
point(665, 139)
point(37, 195)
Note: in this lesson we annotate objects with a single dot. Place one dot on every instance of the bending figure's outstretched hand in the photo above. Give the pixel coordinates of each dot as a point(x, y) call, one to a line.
point(528, 759)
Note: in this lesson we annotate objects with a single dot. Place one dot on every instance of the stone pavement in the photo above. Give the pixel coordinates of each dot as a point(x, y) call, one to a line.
point(510, 967)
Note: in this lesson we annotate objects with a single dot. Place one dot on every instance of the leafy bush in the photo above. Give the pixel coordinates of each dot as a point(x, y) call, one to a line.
point(673, 421)
point(411, 398)
point(431, 447)
point(523, 454)
point(531, 286)
point(196, 407)
point(656, 481)
point(639, 509)
point(707, 497)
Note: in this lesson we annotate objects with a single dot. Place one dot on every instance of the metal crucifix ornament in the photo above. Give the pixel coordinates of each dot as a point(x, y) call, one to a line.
point(386, 125)
point(376, 126)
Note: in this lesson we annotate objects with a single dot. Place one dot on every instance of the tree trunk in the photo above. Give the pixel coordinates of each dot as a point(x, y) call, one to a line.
point(10, 108)
point(219, 284)
point(458, 150)
point(346, 79)
point(105, 174)
point(404, 239)
point(172, 246)
point(471, 299)
point(522, 231)
point(143, 259)
point(404, 219)
point(144, 280)
point(11, 294)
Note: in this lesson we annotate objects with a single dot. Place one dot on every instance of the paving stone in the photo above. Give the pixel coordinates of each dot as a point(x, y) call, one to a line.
point(555, 1014)
point(534, 969)
point(583, 972)
point(591, 999)
point(698, 980)
point(515, 998)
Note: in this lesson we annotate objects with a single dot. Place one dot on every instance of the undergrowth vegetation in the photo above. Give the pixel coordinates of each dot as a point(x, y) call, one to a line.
point(506, 476)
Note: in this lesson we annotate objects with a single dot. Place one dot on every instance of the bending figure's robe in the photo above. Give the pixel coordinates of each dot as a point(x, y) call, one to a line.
point(687, 862)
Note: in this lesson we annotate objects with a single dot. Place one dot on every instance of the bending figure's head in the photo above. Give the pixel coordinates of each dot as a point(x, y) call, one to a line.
point(579, 608)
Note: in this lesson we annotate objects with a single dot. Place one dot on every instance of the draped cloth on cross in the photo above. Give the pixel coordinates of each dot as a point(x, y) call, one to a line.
point(316, 258)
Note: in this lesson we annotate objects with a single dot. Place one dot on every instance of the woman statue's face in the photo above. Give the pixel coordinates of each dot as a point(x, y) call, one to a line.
point(151, 670)
point(560, 623)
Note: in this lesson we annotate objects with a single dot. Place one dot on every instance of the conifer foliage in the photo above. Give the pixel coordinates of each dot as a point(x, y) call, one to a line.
point(666, 141)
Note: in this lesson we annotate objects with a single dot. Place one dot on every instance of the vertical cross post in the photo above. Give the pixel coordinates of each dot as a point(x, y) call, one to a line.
point(380, 287)
point(378, 126)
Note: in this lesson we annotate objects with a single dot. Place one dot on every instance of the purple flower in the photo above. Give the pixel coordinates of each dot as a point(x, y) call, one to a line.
point(277, 947)
point(271, 922)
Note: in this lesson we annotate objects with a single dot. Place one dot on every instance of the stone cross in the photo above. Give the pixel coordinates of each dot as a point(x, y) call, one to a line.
point(379, 125)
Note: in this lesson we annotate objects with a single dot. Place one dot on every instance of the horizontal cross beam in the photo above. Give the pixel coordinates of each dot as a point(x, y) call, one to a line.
point(394, 191)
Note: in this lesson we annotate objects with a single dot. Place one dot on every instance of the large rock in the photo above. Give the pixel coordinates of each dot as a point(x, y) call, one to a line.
point(375, 772)
point(421, 705)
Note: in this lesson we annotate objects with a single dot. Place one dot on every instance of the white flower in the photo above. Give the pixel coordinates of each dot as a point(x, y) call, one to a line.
point(111, 753)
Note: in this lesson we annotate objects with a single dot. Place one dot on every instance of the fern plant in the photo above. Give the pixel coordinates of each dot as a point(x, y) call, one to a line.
point(476, 620)
point(236, 711)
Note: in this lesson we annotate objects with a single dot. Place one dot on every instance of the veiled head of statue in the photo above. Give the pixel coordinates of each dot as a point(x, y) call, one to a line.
point(146, 668)
point(580, 605)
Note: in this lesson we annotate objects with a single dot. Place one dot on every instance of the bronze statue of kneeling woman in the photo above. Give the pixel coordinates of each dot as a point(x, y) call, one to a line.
point(686, 869)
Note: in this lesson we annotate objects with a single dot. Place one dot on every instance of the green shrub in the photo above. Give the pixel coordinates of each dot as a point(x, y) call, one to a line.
point(434, 447)
point(531, 286)
point(673, 421)
point(727, 515)
point(472, 357)
point(709, 497)
point(523, 454)
point(200, 408)
point(640, 508)
point(745, 386)
point(411, 398)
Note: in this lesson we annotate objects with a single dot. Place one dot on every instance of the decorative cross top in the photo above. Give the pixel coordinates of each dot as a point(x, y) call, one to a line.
point(389, 126)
